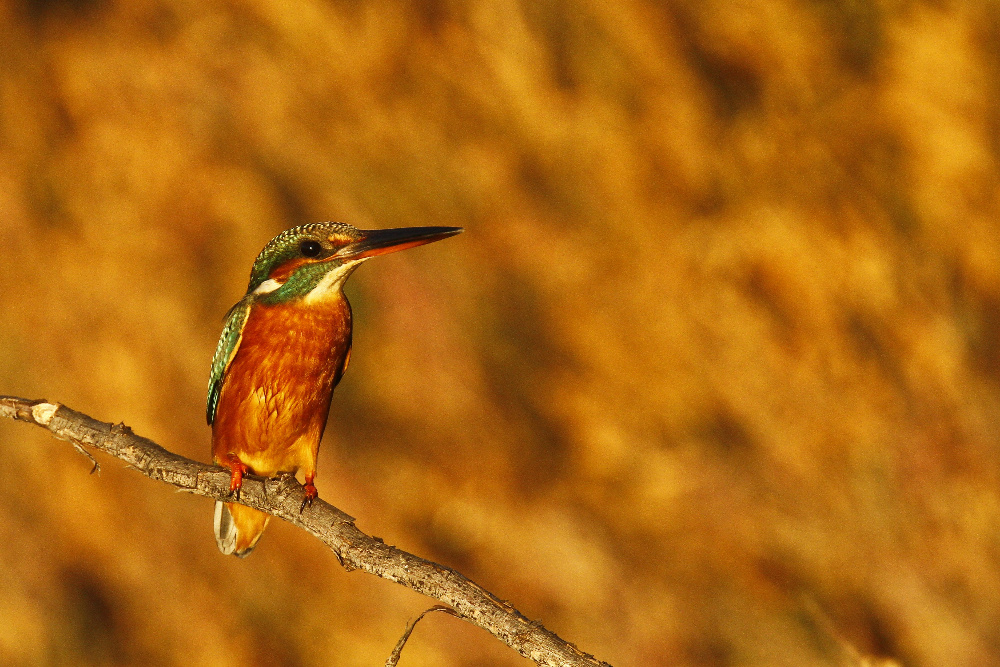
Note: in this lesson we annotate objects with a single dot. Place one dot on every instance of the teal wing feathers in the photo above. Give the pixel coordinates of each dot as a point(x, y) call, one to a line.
point(229, 343)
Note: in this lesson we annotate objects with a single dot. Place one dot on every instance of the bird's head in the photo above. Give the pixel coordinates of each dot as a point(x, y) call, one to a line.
point(313, 261)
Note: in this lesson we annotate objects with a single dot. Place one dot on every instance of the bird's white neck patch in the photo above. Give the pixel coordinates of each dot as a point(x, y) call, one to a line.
point(268, 286)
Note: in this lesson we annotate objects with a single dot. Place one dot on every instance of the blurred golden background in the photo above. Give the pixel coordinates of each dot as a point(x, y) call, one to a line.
point(710, 379)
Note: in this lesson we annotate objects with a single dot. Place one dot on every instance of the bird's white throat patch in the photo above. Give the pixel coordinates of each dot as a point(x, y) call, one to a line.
point(332, 282)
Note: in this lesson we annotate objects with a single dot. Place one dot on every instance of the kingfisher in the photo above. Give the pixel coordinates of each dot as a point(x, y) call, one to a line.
point(284, 347)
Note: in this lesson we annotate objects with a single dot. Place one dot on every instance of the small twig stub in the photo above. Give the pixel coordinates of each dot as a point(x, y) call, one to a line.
point(393, 659)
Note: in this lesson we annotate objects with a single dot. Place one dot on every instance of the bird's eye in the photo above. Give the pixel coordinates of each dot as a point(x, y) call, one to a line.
point(310, 248)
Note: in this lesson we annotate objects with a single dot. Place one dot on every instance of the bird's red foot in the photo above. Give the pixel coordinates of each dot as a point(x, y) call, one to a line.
point(239, 469)
point(311, 494)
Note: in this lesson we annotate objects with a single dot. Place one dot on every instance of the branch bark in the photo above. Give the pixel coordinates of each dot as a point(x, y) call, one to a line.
point(281, 498)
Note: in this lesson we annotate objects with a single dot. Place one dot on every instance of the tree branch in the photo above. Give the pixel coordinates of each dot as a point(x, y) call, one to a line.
point(281, 498)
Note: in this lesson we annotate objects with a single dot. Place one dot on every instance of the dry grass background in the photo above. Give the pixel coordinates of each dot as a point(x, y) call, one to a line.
point(711, 378)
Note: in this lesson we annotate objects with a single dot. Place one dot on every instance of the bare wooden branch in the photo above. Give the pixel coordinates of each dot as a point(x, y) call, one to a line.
point(282, 497)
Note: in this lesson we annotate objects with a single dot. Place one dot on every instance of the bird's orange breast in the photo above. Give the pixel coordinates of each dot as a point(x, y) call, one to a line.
point(276, 393)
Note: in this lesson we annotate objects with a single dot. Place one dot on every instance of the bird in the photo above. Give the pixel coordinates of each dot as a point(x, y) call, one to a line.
point(284, 347)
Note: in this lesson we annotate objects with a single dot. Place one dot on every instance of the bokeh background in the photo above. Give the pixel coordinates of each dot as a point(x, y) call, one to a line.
point(710, 379)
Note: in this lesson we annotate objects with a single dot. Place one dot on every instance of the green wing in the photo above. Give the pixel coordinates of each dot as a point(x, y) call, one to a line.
point(229, 343)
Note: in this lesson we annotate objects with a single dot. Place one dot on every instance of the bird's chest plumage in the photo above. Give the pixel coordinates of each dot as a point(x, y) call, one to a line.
point(275, 397)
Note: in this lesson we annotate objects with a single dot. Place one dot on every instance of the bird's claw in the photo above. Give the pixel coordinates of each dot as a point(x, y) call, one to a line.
point(310, 495)
point(238, 470)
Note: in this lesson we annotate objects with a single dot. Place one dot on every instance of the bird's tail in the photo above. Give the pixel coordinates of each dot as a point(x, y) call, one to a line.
point(238, 527)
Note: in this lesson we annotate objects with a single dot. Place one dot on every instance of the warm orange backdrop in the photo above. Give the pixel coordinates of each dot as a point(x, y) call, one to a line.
point(710, 379)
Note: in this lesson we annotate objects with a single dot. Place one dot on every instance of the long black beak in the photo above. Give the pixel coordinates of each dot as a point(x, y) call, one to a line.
point(383, 241)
